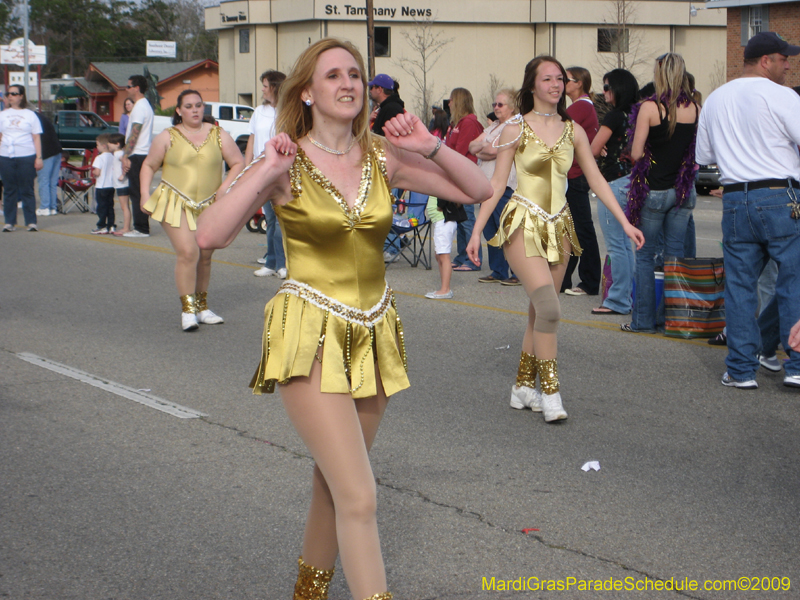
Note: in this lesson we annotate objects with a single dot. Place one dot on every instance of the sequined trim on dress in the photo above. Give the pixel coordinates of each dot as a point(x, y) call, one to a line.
point(214, 130)
point(367, 318)
point(529, 134)
point(197, 207)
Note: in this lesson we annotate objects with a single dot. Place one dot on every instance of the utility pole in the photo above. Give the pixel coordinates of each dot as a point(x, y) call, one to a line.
point(25, 39)
point(370, 41)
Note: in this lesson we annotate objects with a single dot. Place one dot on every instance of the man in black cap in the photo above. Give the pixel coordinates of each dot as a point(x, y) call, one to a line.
point(750, 128)
point(383, 91)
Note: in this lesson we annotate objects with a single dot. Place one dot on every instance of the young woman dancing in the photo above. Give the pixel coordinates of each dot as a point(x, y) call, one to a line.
point(332, 339)
point(537, 232)
point(191, 152)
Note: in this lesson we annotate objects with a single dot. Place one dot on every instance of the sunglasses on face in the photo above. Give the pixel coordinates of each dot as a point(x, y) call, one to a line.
point(497, 105)
point(13, 94)
point(606, 87)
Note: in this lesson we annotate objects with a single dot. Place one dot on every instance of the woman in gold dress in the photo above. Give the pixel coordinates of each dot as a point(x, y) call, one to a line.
point(536, 229)
point(332, 339)
point(191, 153)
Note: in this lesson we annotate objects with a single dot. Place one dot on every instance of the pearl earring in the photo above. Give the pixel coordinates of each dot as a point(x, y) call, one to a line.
point(308, 102)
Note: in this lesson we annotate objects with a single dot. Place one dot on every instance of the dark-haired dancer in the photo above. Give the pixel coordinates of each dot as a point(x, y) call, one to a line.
point(191, 152)
point(537, 232)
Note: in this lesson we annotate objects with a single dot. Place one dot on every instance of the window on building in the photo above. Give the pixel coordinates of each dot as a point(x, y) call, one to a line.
point(244, 41)
point(613, 40)
point(383, 41)
point(754, 22)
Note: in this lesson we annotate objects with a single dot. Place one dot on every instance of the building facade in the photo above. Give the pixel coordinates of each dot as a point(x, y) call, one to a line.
point(486, 42)
point(746, 18)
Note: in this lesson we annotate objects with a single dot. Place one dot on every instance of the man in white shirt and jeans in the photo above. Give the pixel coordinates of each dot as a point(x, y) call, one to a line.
point(138, 137)
point(750, 128)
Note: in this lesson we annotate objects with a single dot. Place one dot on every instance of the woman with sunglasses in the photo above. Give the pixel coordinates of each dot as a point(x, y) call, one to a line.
point(610, 146)
point(662, 194)
point(20, 158)
point(537, 233)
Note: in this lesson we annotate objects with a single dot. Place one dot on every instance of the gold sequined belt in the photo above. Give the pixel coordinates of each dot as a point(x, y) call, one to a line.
point(536, 209)
point(195, 206)
point(367, 318)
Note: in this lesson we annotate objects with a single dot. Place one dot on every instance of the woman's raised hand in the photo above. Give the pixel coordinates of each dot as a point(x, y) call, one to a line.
point(406, 131)
point(280, 150)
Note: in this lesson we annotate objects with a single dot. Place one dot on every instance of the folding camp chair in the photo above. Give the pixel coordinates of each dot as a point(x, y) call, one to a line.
point(76, 186)
point(412, 239)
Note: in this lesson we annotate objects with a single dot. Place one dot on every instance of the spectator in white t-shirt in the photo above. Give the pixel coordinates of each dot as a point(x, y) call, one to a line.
point(262, 128)
point(20, 157)
point(103, 173)
point(139, 136)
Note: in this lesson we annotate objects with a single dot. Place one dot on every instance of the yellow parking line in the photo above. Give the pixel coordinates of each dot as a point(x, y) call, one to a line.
point(590, 324)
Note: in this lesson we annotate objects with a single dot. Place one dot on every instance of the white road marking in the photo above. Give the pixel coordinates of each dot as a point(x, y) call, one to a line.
point(176, 410)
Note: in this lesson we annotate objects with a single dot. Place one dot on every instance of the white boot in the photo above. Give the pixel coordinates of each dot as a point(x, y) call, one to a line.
point(189, 321)
point(209, 317)
point(552, 408)
point(525, 397)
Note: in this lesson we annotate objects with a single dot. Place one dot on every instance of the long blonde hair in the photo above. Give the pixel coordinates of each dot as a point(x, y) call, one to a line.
point(461, 105)
point(294, 117)
point(670, 80)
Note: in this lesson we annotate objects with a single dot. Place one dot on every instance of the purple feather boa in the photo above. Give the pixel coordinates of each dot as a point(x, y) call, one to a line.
point(639, 187)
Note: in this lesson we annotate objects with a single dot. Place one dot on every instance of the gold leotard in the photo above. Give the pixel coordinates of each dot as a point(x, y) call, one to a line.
point(336, 307)
point(190, 178)
point(539, 204)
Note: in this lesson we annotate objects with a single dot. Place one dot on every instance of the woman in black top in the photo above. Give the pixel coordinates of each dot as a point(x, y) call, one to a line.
point(662, 195)
point(621, 90)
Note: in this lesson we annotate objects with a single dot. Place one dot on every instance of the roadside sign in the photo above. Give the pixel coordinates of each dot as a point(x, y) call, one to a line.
point(14, 53)
point(163, 49)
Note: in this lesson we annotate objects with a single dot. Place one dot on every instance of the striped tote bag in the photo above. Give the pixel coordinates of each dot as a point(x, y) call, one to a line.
point(694, 297)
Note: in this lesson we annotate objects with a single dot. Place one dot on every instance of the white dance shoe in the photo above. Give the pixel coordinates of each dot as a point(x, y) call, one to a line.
point(209, 317)
point(525, 397)
point(189, 321)
point(552, 408)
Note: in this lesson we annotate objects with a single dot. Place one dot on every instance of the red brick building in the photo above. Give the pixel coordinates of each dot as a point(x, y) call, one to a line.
point(748, 17)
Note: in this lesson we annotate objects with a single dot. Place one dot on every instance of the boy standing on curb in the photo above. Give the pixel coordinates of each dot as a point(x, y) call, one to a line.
point(103, 173)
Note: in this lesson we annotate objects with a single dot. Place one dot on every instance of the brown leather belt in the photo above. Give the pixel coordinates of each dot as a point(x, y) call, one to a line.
point(760, 185)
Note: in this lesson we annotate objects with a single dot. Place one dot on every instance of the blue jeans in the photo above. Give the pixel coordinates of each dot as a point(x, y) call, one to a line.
point(619, 250)
point(18, 175)
point(48, 183)
point(659, 215)
point(757, 226)
point(275, 256)
point(463, 233)
point(497, 258)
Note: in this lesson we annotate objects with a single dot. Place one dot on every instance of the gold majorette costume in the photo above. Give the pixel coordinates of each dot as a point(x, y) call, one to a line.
point(539, 204)
point(336, 306)
point(190, 178)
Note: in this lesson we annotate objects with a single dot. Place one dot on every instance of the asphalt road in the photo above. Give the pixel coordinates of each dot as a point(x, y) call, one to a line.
point(102, 497)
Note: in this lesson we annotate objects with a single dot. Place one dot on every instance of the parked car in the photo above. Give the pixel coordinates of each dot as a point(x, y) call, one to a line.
point(233, 118)
point(707, 179)
point(78, 129)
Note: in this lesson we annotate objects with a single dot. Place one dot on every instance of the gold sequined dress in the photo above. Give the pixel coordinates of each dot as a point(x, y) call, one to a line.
point(190, 178)
point(539, 204)
point(335, 307)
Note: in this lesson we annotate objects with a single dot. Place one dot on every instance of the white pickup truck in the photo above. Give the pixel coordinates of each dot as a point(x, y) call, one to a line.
point(233, 118)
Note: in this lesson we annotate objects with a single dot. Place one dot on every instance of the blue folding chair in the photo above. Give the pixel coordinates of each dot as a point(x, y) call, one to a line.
point(415, 242)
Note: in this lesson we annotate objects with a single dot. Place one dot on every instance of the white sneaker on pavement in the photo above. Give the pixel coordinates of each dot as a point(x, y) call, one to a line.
point(523, 396)
point(750, 384)
point(133, 233)
point(552, 408)
point(282, 273)
point(53, 212)
point(771, 363)
point(265, 272)
point(261, 261)
point(792, 381)
point(209, 317)
point(189, 321)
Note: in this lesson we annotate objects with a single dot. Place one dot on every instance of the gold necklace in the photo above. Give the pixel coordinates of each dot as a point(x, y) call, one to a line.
point(189, 130)
point(331, 150)
point(536, 112)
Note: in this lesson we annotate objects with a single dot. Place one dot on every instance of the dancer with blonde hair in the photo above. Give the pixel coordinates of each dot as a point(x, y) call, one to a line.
point(537, 232)
point(333, 342)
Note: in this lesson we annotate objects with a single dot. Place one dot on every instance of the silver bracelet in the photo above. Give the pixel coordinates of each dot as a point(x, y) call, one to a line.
point(435, 150)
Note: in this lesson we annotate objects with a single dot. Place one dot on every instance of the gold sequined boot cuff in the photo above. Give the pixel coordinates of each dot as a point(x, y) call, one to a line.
point(383, 596)
point(312, 584)
point(189, 304)
point(200, 301)
point(526, 374)
point(548, 375)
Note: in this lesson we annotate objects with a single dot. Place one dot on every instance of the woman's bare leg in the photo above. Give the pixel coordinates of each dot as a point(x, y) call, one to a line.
point(203, 272)
point(338, 432)
point(188, 254)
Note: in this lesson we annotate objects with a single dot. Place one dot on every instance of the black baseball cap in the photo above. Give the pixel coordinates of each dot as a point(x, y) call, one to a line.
point(769, 42)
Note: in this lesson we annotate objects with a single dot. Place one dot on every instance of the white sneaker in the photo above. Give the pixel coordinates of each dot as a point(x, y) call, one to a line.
point(729, 381)
point(792, 381)
point(261, 261)
point(53, 212)
point(771, 363)
point(33, 227)
point(264, 272)
point(135, 234)
point(40, 212)
point(389, 257)
point(552, 407)
point(523, 396)
point(189, 321)
point(438, 296)
point(282, 273)
point(209, 317)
